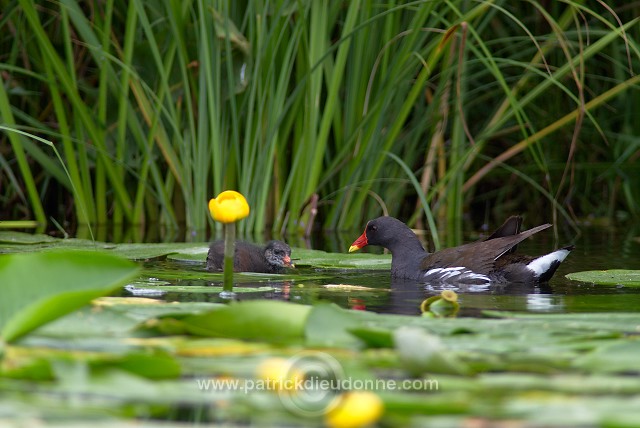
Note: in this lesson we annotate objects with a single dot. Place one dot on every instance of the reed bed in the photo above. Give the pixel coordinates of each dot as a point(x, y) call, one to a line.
point(322, 113)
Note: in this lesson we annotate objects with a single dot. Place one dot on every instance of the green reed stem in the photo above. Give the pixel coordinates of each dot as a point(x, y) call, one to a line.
point(34, 198)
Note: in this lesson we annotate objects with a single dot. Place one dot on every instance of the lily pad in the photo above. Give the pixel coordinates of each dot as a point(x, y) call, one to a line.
point(40, 287)
point(41, 243)
point(190, 275)
point(608, 277)
point(184, 252)
point(620, 356)
point(265, 320)
point(340, 260)
point(153, 251)
point(328, 325)
point(420, 351)
point(195, 254)
point(13, 242)
point(11, 237)
point(143, 290)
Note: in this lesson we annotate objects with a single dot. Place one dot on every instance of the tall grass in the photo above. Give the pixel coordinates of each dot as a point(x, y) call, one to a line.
point(427, 110)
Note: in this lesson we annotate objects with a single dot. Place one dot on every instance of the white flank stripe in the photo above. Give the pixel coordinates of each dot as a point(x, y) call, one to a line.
point(453, 275)
point(542, 264)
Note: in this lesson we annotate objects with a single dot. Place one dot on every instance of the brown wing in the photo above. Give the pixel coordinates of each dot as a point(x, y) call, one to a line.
point(509, 228)
point(478, 256)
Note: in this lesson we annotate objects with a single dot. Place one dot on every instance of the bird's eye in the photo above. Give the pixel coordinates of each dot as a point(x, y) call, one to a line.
point(374, 228)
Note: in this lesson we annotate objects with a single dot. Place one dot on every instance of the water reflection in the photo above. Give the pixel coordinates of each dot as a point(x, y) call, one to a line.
point(544, 303)
point(596, 248)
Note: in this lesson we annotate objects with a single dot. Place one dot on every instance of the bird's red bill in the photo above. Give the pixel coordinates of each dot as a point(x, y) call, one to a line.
point(359, 243)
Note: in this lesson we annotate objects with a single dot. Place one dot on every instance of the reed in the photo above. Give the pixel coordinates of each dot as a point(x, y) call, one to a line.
point(426, 110)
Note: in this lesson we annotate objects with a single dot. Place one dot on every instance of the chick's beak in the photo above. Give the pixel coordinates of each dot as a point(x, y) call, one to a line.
point(287, 261)
point(359, 243)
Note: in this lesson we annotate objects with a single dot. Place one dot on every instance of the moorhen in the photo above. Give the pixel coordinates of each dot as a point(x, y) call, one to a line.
point(491, 260)
point(274, 257)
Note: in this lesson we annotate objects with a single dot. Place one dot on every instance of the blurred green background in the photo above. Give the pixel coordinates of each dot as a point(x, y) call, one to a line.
point(431, 111)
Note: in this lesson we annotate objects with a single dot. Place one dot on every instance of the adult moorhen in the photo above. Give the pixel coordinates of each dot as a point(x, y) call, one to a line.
point(488, 261)
point(272, 258)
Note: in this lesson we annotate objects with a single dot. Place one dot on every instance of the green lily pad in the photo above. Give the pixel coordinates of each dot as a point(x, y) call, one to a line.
point(305, 257)
point(14, 242)
point(185, 252)
point(420, 351)
point(157, 276)
point(608, 277)
point(152, 251)
point(11, 237)
point(619, 356)
point(42, 243)
point(40, 287)
point(265, 320)
point(145, 290)
point(328, 325)
point(110, 317)
point(40, 363)
point(195, 254)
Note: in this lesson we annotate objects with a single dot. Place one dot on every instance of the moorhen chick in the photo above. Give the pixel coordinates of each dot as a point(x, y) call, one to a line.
point(491, 260)
point(274, 257)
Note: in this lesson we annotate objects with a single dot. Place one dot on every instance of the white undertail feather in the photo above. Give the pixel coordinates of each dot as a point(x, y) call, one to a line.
point(542, 264)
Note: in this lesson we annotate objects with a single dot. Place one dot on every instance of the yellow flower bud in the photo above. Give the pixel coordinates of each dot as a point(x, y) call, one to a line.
point(444, 305)
point(355, 409)
point(230, 206)
point(279, 375)
point(449, 296)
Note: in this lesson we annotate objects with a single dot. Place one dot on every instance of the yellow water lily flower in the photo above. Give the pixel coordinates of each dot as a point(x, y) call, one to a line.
point(279, 375)
point(229, 207)
point(355, 409)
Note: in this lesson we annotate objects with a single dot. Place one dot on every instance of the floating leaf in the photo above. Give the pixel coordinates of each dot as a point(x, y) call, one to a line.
point(89, 322)
point(191, 251)
point(422, 352)
point(328, 325)
point(40, 287)
point(608, 277)
point(11, 237)
point(155, 365)
point(339, 260)
point(176, 273)
point(266, 320)
point(112, 317)
point(146, 290)
point(373, 337)
point(41, 244)
point(620, 356)
point(41, 362)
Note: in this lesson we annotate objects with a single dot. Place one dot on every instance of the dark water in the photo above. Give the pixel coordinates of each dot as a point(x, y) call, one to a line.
point(596, 249)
